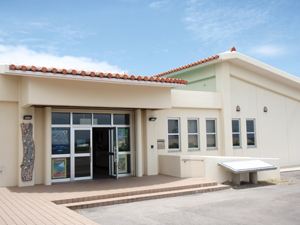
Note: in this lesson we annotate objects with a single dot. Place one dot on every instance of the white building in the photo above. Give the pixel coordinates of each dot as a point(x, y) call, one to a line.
point(86, 123)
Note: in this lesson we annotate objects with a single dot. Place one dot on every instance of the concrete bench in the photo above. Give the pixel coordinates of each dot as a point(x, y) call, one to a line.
point(246, 166)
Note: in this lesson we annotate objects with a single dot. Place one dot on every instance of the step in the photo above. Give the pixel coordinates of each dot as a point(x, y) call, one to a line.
point(142, 197)
point(135, 192)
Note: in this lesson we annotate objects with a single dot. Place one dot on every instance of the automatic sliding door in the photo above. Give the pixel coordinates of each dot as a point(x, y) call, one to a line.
point(82, 154)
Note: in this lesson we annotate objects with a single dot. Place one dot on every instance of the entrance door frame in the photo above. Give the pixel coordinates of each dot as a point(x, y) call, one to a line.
point(74, 127)
point(74, 155)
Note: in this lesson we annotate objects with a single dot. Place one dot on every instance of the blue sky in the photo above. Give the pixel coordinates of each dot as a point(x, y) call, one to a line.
point(144, 37)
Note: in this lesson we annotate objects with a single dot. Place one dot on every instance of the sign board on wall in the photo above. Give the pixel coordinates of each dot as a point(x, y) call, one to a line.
point(160, 143)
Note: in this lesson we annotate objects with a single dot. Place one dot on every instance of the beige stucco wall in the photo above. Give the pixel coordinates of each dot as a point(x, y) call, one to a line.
point(59, 92)
point(276, 130)
point(9, 143)
point(9, 88)
point(207, 167)
point(181, 165)
point(293, 130)
point(196, 99)
point(170, 165)
point(158, 130)
point(39, 146)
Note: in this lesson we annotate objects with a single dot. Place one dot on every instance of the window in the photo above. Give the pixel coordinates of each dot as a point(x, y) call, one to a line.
point(173, 134)
point(82, 118)
point(250, 123)
point(211, 134)
point(60, 140)
point(193, 137)
point(236, 133)
point(102, 119)
point(121, 119)
point(60, 118)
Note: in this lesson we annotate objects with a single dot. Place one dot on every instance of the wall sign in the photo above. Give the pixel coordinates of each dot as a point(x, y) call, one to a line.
point(160, 143)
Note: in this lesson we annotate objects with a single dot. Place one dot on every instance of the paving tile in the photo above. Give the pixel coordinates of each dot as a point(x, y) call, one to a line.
point(32, 205)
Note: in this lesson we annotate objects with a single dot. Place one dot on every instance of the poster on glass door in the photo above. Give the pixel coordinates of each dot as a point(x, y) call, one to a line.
point(122, 165)
point(59, 168)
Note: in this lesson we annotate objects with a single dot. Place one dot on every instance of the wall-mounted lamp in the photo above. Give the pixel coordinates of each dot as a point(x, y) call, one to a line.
point(152, 118)
point(27, 117)
point(265, 109)
point(238, 108)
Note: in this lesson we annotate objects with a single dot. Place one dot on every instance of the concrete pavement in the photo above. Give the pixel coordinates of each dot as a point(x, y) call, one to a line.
point(274, 204)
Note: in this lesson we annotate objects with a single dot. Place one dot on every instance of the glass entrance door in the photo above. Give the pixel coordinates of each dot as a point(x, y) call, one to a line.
point(113, 154)
point(82, 163)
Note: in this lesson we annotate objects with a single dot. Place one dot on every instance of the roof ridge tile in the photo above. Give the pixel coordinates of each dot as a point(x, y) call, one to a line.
point(187, 66)
point(89, 73)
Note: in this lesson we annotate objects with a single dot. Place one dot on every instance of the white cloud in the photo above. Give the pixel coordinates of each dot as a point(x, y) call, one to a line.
point(157, 5)
point(209, 21)
point(25, 56)
point(268, 50)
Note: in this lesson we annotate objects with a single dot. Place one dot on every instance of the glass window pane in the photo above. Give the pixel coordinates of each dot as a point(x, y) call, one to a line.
point(121, 119)
point(60, 168)
point(82, 118)
point(210, 126)
point(236, 139)
point(172, 126)
point(173, 142)
point(82, 141)
point(235, 126)
point(193, 141)
point(192, 126)
point(82, 167)
point(60, 118)
point(211, 140)
point(123, 139)
point(250, 139)
point(102, 119)
point(60, 140)
point(250, 125)
point(124, 164)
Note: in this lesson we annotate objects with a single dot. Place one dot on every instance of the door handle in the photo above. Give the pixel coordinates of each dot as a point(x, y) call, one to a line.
point(115, 154)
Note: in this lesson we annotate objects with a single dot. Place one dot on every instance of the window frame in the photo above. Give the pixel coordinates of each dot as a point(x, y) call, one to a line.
point(215, 133)
point(74, 127)
point(239, 133)
point(170, 134)
point(254, 128)
point(188, 134)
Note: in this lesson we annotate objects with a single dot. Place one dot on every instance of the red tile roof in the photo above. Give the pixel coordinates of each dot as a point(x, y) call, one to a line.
point(96, 74)
point(187, 66)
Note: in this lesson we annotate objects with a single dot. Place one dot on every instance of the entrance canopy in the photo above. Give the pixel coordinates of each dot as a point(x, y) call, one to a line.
point(41, 86)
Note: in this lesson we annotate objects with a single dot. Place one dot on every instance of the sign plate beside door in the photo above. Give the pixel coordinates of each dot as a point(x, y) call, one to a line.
point(160, 143)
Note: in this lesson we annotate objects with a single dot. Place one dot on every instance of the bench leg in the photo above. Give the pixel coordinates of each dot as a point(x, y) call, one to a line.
point(236, 178)
point(253, 177)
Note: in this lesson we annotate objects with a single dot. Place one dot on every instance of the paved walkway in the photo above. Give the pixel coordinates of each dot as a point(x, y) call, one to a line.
point(264, 205)
point(33, 205)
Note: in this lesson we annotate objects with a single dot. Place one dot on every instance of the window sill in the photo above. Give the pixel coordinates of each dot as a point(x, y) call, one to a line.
point(193, 150)
point(254, 146)
point(212, 149)
point(173, 150)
